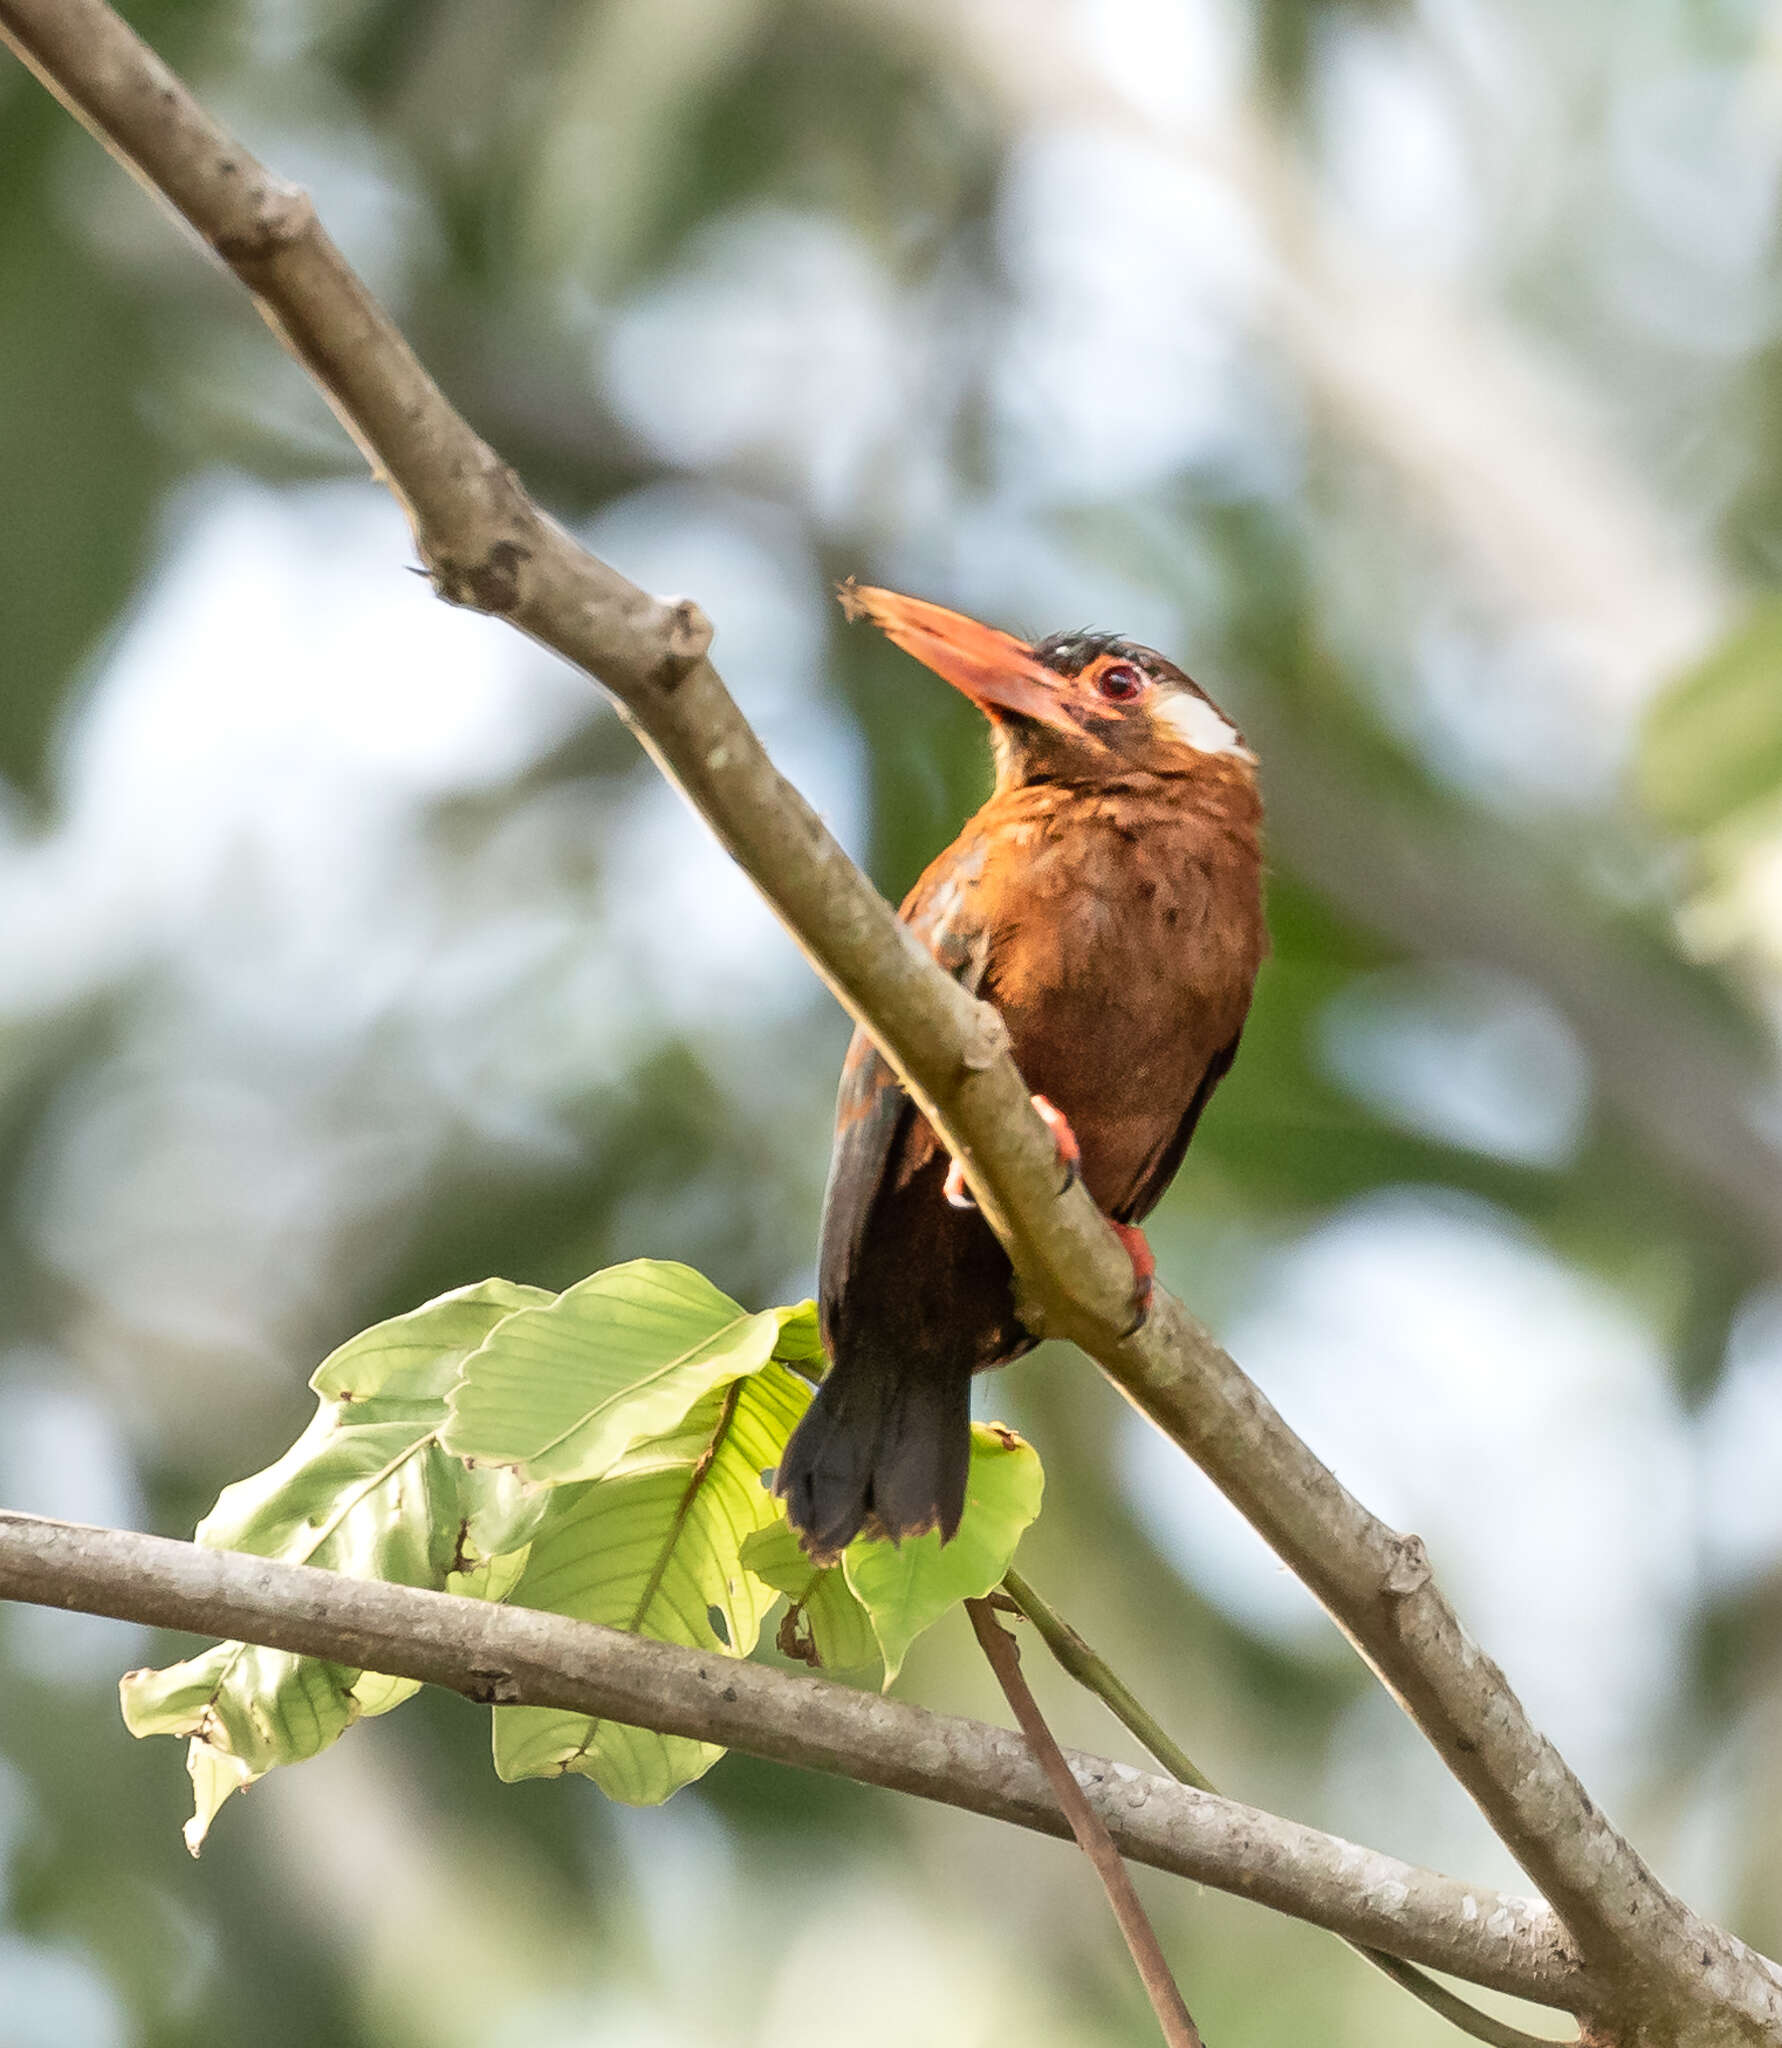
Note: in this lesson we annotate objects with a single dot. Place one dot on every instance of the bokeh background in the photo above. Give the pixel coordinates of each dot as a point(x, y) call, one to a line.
point(1410, 371)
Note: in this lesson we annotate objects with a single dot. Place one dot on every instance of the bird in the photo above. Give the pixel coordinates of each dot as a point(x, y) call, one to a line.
point(1107, 899)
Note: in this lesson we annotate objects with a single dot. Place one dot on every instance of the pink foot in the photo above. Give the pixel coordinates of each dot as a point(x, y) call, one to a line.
point(1144, 1267)
point(1070, 1153)
point(1070, 1157)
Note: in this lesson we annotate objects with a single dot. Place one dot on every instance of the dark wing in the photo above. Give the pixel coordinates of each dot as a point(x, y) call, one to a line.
point(872, 1113)
point(1166, 1162)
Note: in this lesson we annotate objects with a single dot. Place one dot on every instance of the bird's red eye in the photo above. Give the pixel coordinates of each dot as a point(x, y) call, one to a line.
point(1120, 683)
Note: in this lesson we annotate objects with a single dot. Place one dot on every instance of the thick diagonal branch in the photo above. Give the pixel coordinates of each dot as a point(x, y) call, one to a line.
point(487, 545)
point(516, 1656)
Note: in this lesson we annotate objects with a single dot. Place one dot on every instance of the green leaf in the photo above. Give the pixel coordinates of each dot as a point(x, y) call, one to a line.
point(657, 1551)
point(825, 1626)
point(905, 1587)
point(415, 1357)
point(245, 1709)
point(350, 1494)
point(1712, 744)
point(800, 1342)
point(373, 1693)
point(367, 1490)
point(871, 1607)
point(561, 1393)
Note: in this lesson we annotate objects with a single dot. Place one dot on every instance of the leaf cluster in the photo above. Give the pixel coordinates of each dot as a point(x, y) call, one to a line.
point(606, 1454)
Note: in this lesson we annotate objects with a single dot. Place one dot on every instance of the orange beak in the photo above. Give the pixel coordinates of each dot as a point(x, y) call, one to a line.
point(994, 669)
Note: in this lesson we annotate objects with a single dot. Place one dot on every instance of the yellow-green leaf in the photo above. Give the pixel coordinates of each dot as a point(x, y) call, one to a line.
point(905, 1587)
point(415, 1357)
point(245, 1709)
point(561, 1393)
point(799, 1344)
point(825, 1626)
point(657, 1552)
point(366, 1490)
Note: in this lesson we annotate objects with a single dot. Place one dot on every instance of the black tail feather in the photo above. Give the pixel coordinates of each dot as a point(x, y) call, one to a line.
point(880, 1450)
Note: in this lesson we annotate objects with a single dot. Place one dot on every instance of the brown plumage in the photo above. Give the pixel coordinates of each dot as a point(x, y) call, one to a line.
point(1107, 899)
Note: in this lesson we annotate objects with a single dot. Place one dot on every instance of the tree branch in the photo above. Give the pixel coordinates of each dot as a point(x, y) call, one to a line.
point(488, 546)
point(1096, 1675)
point(516, 1656)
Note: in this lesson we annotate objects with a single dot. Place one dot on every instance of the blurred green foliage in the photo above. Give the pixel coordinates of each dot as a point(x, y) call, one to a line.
point(921, 294)
point(1713, 745)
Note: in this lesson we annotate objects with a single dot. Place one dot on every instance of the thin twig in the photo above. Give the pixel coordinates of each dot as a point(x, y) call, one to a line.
point(1096, 1675)
point(1092, 1836)
point(1495, 2033)
point(1094, 1672)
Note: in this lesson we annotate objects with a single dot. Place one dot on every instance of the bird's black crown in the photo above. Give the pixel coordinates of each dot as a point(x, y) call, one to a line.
point(1071, 653)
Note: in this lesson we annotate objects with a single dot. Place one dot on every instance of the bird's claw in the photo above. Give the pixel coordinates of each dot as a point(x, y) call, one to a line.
point(1070, 1157)
point(1070, 1153)
point(1144, 1271)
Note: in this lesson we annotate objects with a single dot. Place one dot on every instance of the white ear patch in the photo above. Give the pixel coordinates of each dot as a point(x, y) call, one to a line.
point(1200, 725)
